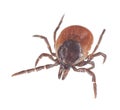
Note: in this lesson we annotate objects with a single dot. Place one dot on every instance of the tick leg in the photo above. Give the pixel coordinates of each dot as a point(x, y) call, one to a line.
point(46, 41)
point(44, 55)
point(57, 29)
point(94, 81)
point(102, 54)
point(36, 69)
point(83, 63)
point(91, 74)
point(91, 56)
point(92, 65)
point(98, 43)
point(24, 71)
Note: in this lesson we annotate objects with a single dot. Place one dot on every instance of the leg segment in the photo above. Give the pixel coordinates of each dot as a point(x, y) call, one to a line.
point(57, 29)
point(91, 74)
point(94, 81)
point(83, 63)
point(92, 65)
point(91, 56)
point(36, 69)
point(96, 47)
point(44, 55)
point(46, 41)
point(102, 54)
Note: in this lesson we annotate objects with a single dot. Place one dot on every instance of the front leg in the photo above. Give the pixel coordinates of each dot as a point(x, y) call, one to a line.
point(44, 55)
point(47, 66)
point(47, 42)
point(91, 74)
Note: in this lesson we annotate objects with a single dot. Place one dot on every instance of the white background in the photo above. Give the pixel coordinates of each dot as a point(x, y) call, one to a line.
point(20, 19)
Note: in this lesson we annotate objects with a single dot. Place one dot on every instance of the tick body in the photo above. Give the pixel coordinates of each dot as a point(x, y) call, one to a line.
point(73, 44)
point(71, 51)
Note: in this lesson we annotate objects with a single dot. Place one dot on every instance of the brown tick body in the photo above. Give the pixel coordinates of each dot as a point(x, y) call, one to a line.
point(72, 51)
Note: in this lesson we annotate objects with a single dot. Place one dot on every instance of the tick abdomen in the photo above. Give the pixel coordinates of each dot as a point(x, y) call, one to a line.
point(76, 33)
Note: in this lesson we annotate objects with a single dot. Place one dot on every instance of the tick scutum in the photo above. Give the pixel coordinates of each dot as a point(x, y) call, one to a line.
point(69, 52)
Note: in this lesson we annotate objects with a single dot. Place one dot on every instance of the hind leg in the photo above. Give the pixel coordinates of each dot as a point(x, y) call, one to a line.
point(91, 74)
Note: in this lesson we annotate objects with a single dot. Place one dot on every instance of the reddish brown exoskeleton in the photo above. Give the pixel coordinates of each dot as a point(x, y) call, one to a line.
point(71, 51)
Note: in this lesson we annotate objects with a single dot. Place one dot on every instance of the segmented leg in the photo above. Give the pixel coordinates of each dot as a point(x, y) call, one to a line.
point(57, 29)
point(98, 43)
point(90, 57)
point(46, 41)
point(100, 54)
point(36, 69)
point(92, 65)
point(44, 55)
point(91, 74)
point(94, 81)
point(93, 54)
point(83, 63)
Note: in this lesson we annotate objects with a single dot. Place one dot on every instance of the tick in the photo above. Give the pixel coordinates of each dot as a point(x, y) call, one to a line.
point(71, 51)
